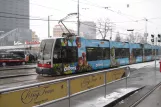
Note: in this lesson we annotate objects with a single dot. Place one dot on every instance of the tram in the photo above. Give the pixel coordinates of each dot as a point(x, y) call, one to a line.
point(72, 54)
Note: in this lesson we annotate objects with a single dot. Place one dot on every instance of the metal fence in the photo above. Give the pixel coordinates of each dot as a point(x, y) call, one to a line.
point(71, 86)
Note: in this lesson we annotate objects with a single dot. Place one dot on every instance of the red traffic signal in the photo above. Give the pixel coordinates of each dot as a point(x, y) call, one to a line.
point(152, 36)
point(159, 35)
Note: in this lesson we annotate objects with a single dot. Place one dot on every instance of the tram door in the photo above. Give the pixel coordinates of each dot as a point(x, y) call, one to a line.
point(69, 59)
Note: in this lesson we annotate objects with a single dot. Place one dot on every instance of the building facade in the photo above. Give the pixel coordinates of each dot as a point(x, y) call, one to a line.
point(17, 35)
point(14, 22)
point(88, 28)
point(14, 14)
point(35, 37)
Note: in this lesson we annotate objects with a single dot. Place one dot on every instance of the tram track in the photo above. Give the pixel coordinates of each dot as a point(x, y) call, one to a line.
point(7, 68)
point(24, 80)
point(13, 76)
point(32, 77)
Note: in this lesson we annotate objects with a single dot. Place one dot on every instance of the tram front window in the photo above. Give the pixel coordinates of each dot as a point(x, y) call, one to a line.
point(46, 49)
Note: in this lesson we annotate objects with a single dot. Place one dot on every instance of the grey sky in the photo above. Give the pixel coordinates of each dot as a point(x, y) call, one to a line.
point(138, 9)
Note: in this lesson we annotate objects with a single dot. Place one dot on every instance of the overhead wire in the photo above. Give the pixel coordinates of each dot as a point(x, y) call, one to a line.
point(91, 4)
point(102, 7)
point(38, 19)
point(15, 14)
point(75, 1)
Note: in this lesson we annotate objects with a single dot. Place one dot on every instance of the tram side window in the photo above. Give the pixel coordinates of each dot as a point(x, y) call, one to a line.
point(127, 54)
point(95, 53)
point(137, 52)
point(157, 53)
point(70, 54)
point(148, 52)
point(153, 52)
point(91, 54)
point(99, 52)
point(106, 53)
point(122, 53)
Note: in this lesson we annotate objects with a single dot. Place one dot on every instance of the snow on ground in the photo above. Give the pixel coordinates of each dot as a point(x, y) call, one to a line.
point(141, 65)
point(102, 101)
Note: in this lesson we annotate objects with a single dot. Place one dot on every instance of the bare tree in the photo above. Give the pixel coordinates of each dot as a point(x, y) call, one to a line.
point(132, 37)
point(142, 40)
point(104, 27)
point(118, 38)
point(137, 38)
point(127, 39)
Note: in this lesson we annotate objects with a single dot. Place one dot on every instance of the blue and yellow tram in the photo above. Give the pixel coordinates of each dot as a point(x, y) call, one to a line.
point(61, 55)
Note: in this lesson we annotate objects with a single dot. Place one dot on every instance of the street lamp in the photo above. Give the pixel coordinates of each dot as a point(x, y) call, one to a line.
point(49, 25)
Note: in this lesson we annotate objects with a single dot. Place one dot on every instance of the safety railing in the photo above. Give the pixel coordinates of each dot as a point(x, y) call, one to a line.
point(44, 93)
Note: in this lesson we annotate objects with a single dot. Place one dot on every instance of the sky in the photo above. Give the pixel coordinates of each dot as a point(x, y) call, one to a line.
point(124, 17)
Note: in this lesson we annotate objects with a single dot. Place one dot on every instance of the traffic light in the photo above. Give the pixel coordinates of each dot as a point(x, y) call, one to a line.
point(159, 37)
point(152, 40)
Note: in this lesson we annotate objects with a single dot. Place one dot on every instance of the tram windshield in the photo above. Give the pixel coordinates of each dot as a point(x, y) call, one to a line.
point(46, 49)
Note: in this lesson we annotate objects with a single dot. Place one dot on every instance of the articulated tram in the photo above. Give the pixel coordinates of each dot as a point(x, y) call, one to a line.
point(59, 56)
